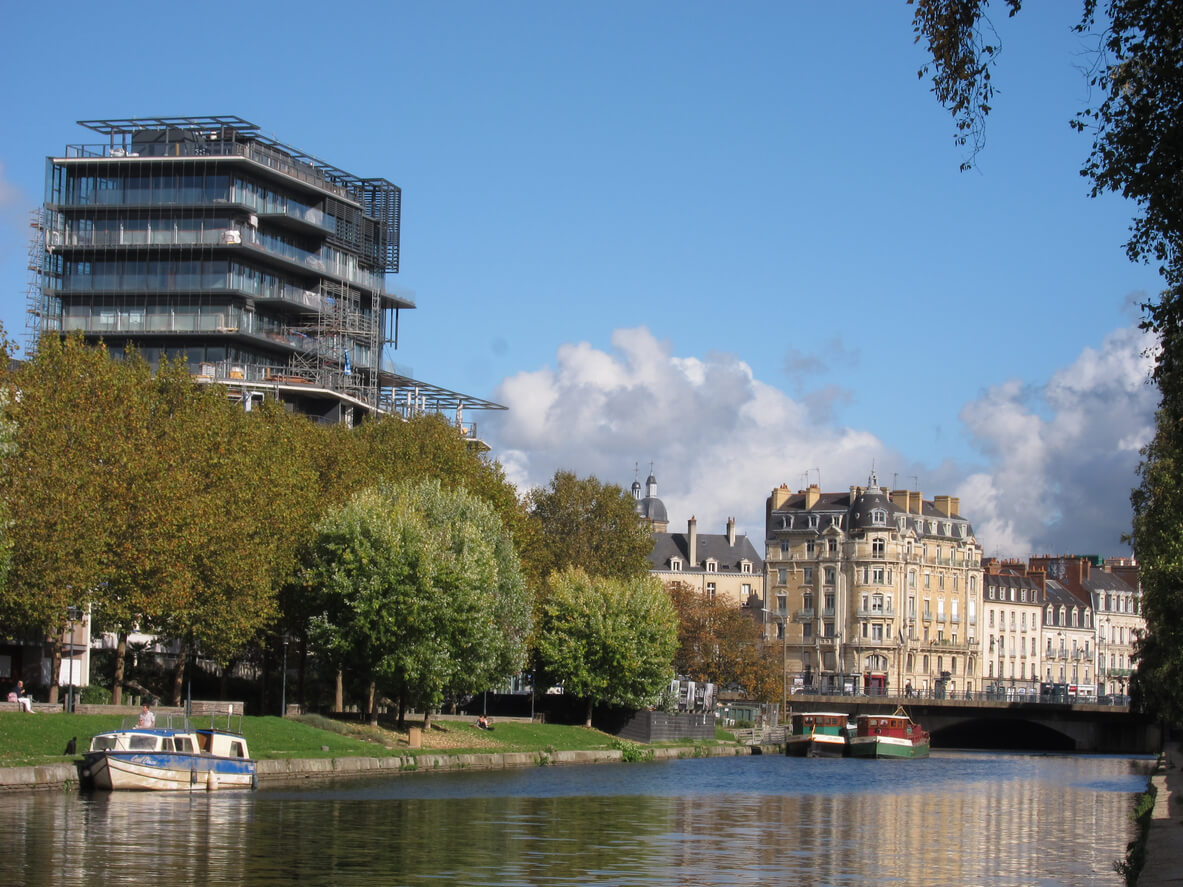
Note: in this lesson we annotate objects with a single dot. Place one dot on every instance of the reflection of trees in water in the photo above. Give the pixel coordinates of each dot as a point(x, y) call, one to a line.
point(473, 840)
point(1000, 820)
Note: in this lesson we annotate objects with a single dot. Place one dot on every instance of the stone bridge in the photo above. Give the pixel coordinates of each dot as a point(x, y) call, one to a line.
point(990, 724)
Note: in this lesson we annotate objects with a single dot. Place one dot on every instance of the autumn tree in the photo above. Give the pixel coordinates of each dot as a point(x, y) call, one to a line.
point(607, 640)
point(720, 642)
point(244, 490)
point(419, 591)
point(66, 462)
point(585, 524)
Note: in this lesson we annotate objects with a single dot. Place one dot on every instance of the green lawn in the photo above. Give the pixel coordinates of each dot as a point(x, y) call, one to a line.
point(41, 738)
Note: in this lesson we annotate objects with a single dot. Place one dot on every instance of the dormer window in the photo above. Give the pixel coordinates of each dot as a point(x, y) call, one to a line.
point(675, 565)
point(745, 567)
point(836, 520)
point(879, 517)
point(712, 565)
point(813, 520)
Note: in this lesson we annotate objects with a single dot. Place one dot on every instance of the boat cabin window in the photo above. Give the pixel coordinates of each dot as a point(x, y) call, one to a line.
point(141, 742)
point(184, 743)
point(166, 744)
point(236, 750)
point(103, 743)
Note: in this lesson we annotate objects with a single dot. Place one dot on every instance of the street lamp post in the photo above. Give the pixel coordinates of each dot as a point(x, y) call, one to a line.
point(283, 704)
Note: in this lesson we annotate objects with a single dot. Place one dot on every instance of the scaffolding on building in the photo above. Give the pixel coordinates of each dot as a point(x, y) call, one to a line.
point(332, 339)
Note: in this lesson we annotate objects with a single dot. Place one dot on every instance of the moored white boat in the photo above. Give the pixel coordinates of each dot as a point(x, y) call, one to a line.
point(174, 756)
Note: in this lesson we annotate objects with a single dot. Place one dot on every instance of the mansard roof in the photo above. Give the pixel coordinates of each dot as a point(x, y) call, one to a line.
point(710, 546)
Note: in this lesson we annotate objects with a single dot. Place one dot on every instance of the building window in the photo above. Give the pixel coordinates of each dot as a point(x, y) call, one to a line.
point(782, 576)
point(712, 565)
point(745, 591)
point(877, 575)
point(806, 631)
point(878, 548)
point(928, 580)
point(831, 575)
point(676, 564)
point(809, 575)
point(810, 547)
point(745, 567)
point(878, 517)
point(941, 580)
point(877, 632)
point(784, 547)
point(711, 592)
point(813, 521)
point(911, 579)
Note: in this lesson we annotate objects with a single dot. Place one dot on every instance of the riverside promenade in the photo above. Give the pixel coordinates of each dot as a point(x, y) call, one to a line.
point(1164, 843)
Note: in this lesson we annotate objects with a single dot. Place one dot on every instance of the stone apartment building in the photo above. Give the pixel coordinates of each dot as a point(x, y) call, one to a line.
point(877, 589)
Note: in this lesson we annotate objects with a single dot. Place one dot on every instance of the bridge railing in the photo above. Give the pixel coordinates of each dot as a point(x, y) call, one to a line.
point(989, 694)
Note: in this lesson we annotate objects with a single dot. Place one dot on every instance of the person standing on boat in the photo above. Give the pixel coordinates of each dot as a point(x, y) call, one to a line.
point(147, 718)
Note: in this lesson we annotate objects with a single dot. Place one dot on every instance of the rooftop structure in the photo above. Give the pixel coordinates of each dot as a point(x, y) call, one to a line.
point(263, 265)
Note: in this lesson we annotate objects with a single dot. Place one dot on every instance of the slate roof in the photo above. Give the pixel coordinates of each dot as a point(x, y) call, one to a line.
point(710, 545)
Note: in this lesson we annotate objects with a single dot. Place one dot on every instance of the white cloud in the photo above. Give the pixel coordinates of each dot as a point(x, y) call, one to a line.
point(1061, 459)
point(719, 439)
point(1058, 459)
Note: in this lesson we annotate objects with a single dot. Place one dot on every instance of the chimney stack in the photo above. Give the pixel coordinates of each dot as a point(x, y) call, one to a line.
point(731, 531)
point(812, 494)
point(692, 542)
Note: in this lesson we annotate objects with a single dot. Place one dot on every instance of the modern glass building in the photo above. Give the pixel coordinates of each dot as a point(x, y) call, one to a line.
point(263, 265)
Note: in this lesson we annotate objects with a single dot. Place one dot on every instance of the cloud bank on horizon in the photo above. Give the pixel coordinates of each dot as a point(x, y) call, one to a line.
point(1057, 464)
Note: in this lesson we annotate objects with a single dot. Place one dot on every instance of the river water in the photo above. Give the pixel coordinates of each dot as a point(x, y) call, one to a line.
point(952, 819)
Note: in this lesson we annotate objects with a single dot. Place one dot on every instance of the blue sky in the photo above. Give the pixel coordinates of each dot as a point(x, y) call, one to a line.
point(730, 241)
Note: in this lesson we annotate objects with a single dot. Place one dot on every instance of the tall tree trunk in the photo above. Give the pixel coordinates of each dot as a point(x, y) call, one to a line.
point(56, 670)
point(373, 704)
point(426, 718)
point(402, 711)
point(120, 665)
point(179, 678)
point(339, 700)
point(590, 705)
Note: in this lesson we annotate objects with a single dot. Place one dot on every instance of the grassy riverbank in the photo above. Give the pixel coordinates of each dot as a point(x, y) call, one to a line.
point(31, 740)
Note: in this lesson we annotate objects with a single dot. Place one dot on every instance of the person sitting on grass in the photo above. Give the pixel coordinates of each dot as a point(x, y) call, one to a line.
point(483, 723)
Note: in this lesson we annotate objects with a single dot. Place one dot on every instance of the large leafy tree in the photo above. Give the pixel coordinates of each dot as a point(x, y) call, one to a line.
point(607, 640)
point(587, 524)
point(67, 461)
point(718, 641)
point(1137, 151)
point(387, 451)
point(419, 591)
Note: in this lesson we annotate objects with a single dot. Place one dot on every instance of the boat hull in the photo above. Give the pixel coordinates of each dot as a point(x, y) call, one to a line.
point(150, 771)
point(887, 747)
point(818, 746)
